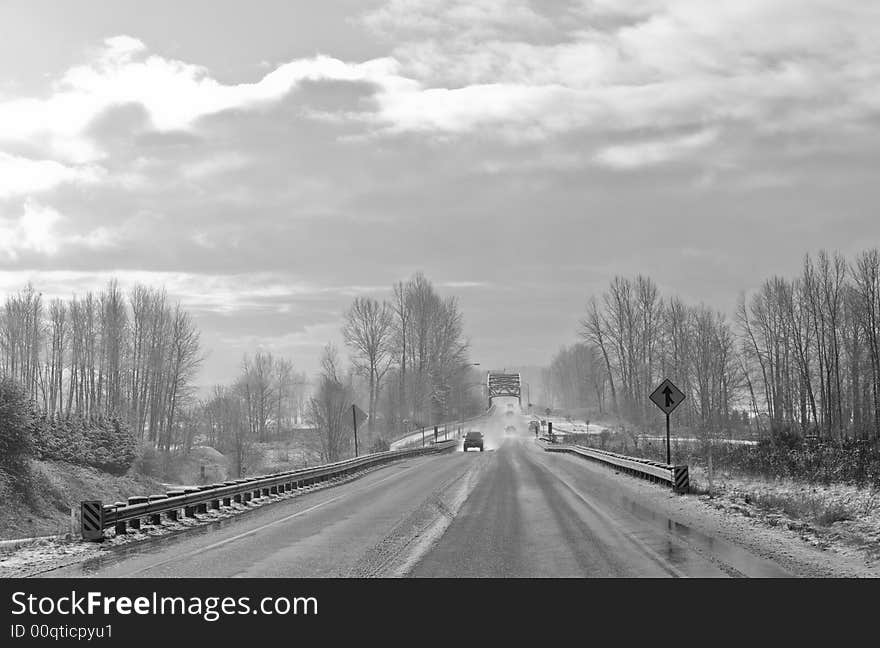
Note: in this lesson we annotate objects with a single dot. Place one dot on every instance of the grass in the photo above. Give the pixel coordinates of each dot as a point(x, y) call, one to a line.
point(820, 506)
point(803, 506)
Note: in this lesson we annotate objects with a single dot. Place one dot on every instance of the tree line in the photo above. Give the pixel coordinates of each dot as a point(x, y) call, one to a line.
point(412, 357)
point(801, 354)
point(129, 356)
point(264, 403)
point(127, 361)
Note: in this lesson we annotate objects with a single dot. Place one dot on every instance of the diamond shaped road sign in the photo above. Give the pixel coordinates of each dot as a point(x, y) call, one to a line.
point(667, 396)
point(359, 414)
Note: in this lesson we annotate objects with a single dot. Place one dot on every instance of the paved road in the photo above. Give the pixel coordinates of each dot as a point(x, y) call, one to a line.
point(512, 511)
point(333, 532)
point(536, 514)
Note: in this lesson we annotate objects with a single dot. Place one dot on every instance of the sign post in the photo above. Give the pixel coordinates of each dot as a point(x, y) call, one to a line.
point(667, 397)
point(358, 416)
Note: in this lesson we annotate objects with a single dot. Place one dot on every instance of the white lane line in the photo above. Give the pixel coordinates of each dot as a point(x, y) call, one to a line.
point(262, 527)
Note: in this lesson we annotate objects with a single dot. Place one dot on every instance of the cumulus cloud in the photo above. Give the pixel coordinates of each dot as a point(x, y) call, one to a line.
point(36, 230)
point(459, 67)
point(776, 65)
point(33, 231)
point(175, 94)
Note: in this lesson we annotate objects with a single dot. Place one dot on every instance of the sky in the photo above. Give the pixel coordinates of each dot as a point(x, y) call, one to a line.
point(268, 162)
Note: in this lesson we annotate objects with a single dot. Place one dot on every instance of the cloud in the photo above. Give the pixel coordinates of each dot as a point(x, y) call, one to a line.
point(214, 165)
point(652, 152)
point(464, 284)
point(175, 95)
point(445, 18)
point(33, 231)
point(775, 65)
point(36, 231)
point(24, 176)
point(212, 293)
point(511, 71)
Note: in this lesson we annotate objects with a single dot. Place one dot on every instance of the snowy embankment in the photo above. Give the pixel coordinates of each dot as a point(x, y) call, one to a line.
point(838, 517)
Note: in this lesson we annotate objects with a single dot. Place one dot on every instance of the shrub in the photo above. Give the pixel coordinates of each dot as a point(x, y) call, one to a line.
point(106, 444)
point(16, 427)
point(110, 445)
point(149, 461)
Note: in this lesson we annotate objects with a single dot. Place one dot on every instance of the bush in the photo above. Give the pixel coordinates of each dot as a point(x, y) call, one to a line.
point(149, 461)
point(16, 427)
point(110, 446)
point(106, 444)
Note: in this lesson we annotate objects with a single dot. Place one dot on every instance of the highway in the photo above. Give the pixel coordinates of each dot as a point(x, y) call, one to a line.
point(511, 511)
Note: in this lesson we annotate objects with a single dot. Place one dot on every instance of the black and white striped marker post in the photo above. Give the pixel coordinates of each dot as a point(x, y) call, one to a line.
point(680, 481)
point(92, 520)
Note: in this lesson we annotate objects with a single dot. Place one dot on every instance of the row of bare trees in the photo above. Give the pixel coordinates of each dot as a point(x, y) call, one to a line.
point(801, 353)
point(132, 356)
point(812, 344)
point(576, 378)
point(414, 345)
point(265, 402)
point(634, 338)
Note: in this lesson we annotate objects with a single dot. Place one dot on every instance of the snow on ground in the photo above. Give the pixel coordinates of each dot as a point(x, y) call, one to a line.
point(839, 517)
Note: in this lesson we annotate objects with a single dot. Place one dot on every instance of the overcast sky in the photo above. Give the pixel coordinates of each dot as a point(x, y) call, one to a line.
point(268, 161)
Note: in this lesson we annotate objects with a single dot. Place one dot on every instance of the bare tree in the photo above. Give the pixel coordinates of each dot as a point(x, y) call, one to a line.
point(368, 331)
point(329, 408)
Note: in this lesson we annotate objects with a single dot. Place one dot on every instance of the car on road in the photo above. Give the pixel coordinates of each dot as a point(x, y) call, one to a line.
point(510, 429)
point(473, 440)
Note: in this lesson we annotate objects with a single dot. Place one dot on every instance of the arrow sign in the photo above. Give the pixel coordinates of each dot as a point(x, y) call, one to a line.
point(667, 396)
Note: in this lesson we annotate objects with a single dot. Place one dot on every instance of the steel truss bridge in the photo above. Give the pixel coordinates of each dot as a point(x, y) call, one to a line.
point(504, 384)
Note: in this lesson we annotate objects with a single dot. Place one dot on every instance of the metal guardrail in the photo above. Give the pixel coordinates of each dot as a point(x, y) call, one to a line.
point(95, 516)
point(675, 476)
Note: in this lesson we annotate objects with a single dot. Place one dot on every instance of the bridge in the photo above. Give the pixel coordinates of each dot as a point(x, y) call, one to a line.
point(504, 384)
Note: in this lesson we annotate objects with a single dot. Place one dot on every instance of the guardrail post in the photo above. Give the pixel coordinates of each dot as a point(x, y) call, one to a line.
point(92, 520)
point(155, 518)
point(189, 510)
point(120, 526)
point(173, 513)
point(680, 480)
point(135, 523)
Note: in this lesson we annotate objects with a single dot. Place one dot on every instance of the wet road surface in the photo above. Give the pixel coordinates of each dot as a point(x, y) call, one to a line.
point(524, 513)
point(321, 534)
point(537, 514)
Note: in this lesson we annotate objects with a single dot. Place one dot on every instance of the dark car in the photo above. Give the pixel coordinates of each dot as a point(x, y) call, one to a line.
point(473, 440)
